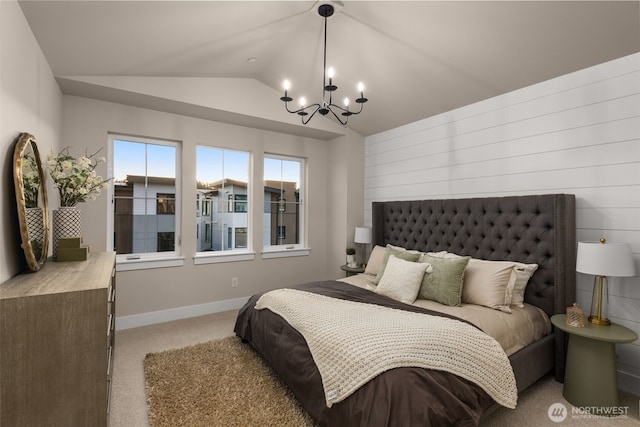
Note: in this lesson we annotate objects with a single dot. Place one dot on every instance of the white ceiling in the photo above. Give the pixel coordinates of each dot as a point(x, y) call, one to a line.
point(416, 58)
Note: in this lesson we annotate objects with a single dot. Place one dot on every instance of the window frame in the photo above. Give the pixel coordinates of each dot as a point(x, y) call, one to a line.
point(232, 253)
point(301, 248)
point(138, 261)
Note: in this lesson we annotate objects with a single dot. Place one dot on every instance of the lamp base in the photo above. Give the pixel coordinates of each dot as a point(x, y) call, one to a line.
point(602, 321)
point(599, 302)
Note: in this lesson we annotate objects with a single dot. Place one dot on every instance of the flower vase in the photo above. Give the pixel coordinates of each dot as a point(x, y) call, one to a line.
point(35, 230)
point(351, 260)
point(66, 223)
point(35, 225)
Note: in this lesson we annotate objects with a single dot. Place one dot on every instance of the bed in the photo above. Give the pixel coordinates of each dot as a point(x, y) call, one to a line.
point(532, 229)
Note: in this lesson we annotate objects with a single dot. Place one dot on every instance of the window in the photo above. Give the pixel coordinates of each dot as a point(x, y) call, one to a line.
point(166, 204)
point(145, 195)
point(222, 187)
point(241, 237)
point(240, 203)
point(166, 241)
point(283, 207)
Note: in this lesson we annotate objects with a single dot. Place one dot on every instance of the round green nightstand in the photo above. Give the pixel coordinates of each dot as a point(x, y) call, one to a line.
point(591, 376)
point(352, 270)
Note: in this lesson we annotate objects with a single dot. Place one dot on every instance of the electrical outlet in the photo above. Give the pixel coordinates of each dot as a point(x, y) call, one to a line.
point(234, 282)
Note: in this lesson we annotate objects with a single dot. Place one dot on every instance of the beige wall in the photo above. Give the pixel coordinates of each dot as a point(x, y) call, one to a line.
point(346, 196)
point(30, 101)
point(87, 123)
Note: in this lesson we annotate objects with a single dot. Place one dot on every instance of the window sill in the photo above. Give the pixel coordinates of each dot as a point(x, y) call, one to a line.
point(143, 263)
point(217, 257)
point(283, 252)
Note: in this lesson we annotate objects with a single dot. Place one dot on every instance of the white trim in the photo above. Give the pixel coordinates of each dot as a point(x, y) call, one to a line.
point(284, 252)
point(216, 257)
point(151, 318)
point(628, 382)
point(147, 263)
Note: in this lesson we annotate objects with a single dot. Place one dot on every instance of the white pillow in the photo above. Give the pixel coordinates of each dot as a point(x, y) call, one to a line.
point(515, 289)
point(402, 279)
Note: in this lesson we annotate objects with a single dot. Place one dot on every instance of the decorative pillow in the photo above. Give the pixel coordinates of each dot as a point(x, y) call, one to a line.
point(516, 288)
point(375, 260)
point(398, 252)
point(444, 254)
point(486, 282)
point(401, 249)
point(401, 279)
point(444, 283)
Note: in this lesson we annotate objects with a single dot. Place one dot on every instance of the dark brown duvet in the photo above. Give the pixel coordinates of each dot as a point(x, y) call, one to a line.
point(398, 397)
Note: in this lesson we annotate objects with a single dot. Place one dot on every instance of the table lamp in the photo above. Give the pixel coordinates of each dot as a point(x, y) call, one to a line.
point(603, 259)
point(363, 235)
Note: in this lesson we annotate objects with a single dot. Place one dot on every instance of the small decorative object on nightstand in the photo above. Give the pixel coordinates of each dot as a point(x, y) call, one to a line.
point(351, 257)
point(575, 316)
point(351, 270)
point(591, 376)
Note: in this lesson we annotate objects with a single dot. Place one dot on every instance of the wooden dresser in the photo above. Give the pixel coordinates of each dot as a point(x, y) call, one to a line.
point(56, 344)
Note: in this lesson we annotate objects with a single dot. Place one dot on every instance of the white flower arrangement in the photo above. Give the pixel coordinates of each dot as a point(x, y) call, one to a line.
point(30, 180)
point(76, 179)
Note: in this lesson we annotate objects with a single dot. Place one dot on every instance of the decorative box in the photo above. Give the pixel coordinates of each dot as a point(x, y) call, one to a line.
point(575, 316)
point(72, 249)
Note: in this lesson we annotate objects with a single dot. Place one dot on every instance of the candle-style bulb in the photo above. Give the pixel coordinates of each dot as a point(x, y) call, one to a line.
point(360, 87)
point(303, 102)
point(331, 72)
point(346, 102)
point(286, 85)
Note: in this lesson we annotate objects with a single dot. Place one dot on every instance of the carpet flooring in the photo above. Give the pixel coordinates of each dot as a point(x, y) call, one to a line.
point(217, 383)
point(130, 408)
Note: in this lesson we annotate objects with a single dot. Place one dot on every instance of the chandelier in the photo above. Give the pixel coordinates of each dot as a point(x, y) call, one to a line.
point(306, 112)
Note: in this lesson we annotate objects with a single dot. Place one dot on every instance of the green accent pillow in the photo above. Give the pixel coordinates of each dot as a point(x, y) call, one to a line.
point(444, 284)
point(402, 254)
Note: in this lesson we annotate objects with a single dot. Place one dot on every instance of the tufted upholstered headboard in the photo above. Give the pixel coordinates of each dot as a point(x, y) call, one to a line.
point(536, 229)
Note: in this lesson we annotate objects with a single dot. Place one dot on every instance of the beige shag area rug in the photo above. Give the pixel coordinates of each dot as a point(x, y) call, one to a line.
point(217, 383)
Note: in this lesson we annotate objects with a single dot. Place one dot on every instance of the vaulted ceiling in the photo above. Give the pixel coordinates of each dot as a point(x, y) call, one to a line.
point(416, 58)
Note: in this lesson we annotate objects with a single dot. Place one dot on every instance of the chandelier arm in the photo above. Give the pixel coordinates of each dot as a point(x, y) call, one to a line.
point(346, 110)
point(311, 115)
point(336, 116)
point(301, 109)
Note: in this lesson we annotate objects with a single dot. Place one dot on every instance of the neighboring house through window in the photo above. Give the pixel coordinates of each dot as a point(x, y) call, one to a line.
point(222, 199)
point(145, 196)
point(283, 205)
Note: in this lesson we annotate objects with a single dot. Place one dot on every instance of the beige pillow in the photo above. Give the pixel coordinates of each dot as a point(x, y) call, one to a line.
point(486, 282)
point(401, 279)
point(402, 253)
point(515, 289)
point(375, 260)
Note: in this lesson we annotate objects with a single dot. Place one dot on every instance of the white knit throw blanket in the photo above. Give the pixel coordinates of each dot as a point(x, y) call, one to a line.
point(352, 342)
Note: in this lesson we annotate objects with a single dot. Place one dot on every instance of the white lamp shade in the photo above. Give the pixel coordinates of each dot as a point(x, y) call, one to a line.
point(605, 259)
point(363, 235)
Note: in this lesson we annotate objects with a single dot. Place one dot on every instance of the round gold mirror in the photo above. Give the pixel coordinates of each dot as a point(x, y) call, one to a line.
point(31, 198)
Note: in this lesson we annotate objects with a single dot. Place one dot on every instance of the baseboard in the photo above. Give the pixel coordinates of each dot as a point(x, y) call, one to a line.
point(629, 383)
point(151, 318)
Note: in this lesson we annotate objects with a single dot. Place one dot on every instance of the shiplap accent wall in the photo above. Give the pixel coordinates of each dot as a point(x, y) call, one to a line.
point(577, 134)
